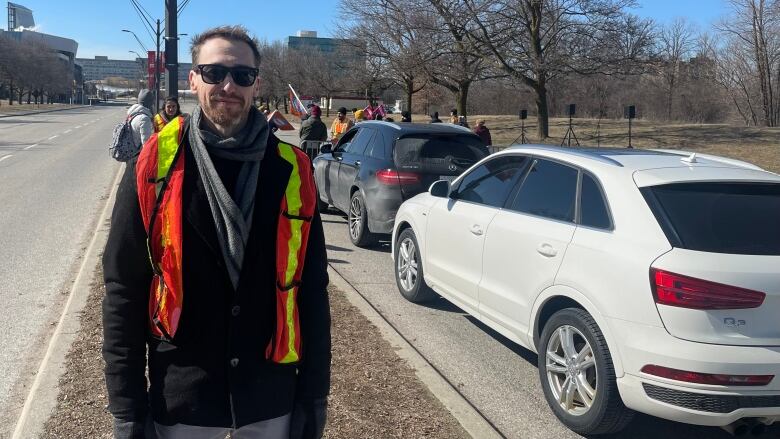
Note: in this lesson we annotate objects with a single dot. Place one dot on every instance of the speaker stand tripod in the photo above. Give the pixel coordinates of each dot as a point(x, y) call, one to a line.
point(570, 135)
point(523, 139)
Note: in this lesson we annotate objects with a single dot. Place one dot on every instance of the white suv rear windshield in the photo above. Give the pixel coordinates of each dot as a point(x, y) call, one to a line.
point(719, 217)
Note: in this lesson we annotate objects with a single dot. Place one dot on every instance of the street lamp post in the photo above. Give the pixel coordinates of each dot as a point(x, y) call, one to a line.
point(156, 64)
point(141, 62)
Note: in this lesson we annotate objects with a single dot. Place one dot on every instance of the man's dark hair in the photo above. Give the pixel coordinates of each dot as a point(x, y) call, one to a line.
point(231, 33)
point(343, 110)
point(172, 99)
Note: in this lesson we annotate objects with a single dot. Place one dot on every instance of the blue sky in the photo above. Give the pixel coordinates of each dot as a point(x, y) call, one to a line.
point(97, 25)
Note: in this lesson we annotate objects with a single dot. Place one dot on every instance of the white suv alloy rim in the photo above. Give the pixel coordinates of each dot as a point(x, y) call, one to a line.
point(571, 370)
point(407, 264)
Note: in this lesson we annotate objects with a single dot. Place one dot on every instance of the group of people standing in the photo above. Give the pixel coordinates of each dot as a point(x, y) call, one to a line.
point(314, 129)
point(480, 129)
point(143, 123)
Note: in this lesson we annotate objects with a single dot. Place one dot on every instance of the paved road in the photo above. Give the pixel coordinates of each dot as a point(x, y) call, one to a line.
point(496, 376)
point(55, 175)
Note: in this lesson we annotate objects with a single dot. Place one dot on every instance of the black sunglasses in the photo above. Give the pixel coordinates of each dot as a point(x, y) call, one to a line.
point(215, 74)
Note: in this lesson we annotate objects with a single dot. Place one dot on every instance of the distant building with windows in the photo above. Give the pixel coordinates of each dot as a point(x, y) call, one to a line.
point(101, 67)
point(354, 50)
point(19, 17)
point(20, 28)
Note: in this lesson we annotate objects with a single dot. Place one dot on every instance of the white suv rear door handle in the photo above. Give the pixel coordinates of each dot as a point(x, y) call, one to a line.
point(476, 229)
point(546, 250)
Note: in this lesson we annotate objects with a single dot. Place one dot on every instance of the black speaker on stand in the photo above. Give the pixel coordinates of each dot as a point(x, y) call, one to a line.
point(629, 112)
point(523, 116)
point(570, 132)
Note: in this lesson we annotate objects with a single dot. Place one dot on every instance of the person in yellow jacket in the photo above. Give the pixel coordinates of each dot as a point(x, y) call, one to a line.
point(340, 125)
point(168, 113)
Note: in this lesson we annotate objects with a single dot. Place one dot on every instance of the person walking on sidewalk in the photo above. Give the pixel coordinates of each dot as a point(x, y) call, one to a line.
point(167, 114)
point(216, 263)
point(140, 116)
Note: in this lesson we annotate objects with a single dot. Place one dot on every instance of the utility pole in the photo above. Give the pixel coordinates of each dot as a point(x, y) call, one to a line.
point(157, 60)
point(171, 48)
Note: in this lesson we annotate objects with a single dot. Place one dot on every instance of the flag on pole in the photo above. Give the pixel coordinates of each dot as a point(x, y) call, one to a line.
point(368, 112)
point(296, 106)
point(276, 119)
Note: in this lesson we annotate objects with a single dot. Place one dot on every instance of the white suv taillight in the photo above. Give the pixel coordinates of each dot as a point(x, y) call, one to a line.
point(687, 292)
point(707, 378)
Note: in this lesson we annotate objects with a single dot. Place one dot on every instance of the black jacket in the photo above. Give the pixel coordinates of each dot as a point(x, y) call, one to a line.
point(216, 359)
point(314, 128)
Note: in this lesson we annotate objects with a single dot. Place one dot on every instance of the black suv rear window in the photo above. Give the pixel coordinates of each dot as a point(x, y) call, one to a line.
point(719, 217)
point(438, 154)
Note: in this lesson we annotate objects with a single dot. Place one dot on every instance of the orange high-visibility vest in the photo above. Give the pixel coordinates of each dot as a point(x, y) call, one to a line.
point(159, 179)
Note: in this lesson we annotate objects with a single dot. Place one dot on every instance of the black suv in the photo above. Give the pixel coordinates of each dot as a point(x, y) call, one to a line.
point(378, 165)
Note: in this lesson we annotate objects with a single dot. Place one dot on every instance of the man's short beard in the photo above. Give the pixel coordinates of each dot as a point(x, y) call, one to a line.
point(222, 116)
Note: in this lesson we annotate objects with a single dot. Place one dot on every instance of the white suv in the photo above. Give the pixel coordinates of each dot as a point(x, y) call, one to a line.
point(646, 280)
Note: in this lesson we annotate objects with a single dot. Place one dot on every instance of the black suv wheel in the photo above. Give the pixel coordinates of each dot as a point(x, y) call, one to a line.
point(357, 220)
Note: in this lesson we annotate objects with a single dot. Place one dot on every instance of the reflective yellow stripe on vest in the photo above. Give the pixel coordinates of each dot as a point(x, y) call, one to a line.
point(294, 203)
point(167, 145)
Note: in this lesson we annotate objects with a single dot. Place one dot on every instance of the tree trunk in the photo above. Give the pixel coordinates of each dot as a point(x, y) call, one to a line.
point(409, 89)
point(327, 108)
point(462, 97)
point(669, 98)
point(11, 93)
point(542, 117)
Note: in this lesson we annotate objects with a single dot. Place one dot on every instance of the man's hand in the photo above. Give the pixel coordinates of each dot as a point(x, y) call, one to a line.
point(308, 419)
point(134, 430)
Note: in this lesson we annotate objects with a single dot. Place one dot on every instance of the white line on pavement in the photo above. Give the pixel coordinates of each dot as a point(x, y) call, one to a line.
point(77, 127)
point(31, 146)
point(42, 398)
point(5, 157)
point(53, 137)
point(66, 132)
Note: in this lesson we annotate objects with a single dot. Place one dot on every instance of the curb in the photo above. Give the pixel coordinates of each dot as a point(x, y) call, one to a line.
point(42, 398)
point(44, 111)
point(468, 417)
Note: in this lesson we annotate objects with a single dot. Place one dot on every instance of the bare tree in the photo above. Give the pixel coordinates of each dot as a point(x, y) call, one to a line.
point(753, 27)
point(676, 42)
point(393, 33)
point(456, 56)
point(538, 40)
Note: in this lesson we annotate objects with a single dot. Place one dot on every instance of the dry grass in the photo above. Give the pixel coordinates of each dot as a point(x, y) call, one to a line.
point(23, 108)
point(756, 145)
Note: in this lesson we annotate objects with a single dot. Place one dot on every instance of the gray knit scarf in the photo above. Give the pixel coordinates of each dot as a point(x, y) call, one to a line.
point(232, 212)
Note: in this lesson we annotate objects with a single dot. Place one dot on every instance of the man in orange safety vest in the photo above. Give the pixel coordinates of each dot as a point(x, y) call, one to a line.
point(216, 264)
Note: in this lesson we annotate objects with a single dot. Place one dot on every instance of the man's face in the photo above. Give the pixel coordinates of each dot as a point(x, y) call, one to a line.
point(225, 104)
point(170, 108)
point(342, 116)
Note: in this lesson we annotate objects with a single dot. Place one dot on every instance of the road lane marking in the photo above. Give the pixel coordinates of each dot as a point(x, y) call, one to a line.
point(53, 137)
point(66, 132)
point(31, 146)
point(64, 332)
point(5, 157)
point(77, 127)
